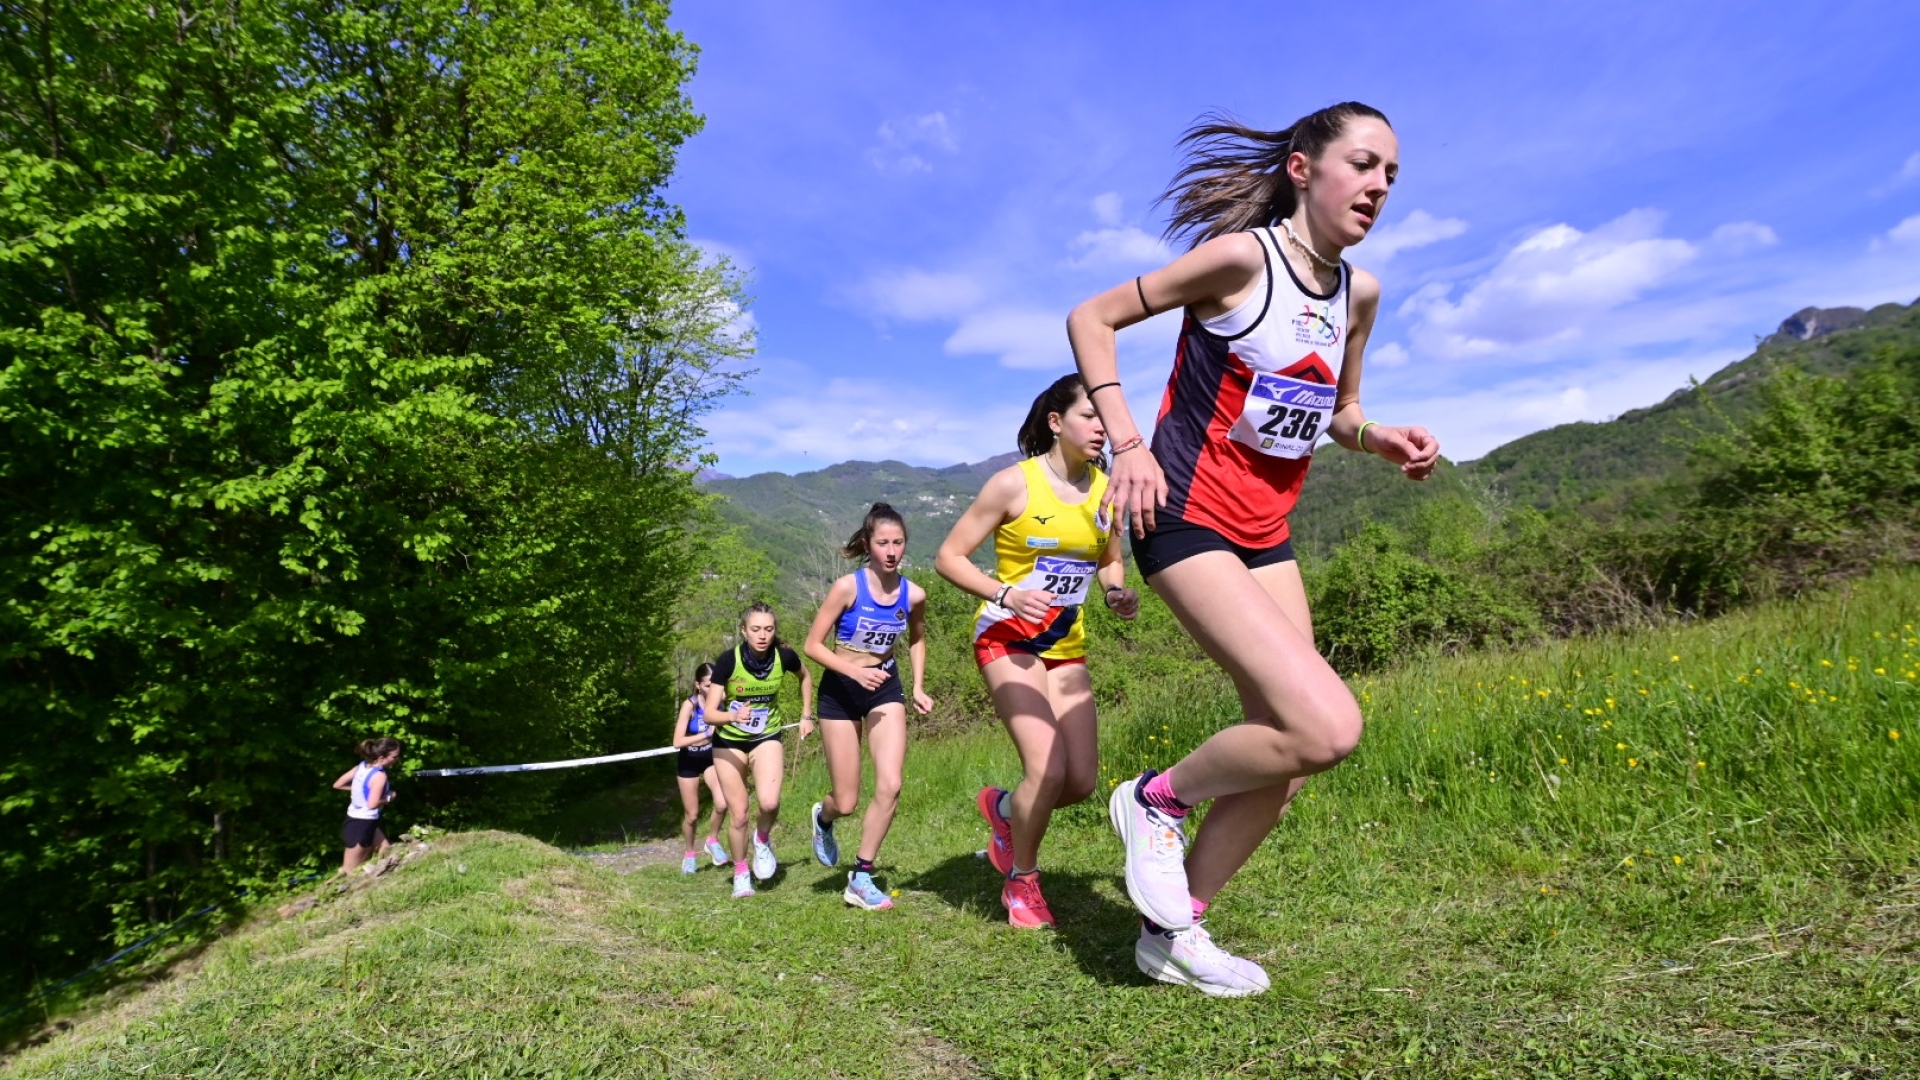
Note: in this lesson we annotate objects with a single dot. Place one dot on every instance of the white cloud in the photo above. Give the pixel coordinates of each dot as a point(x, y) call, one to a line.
point(1022, 338)
point(1741, 237)
point(1106, 208)
point(1123, 247)
point(1554, 287)
point(859, 418)
point(920, 294)
point(1391, 355)
point(1417, 229)
point(902, 143)
point(717, 250)
point(1907, 232)
point(1909, 172)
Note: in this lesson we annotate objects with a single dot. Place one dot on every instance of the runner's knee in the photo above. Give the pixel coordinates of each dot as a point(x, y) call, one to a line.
point(844, 805)
point(886, 789)
point(1326, 738)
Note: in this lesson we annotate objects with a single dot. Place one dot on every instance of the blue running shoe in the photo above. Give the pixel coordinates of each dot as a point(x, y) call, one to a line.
point(825, 847)
point(863, 893)
point(717, 853)
point(690, 864)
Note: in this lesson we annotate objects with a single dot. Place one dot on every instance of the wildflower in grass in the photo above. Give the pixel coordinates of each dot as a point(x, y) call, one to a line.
point(1674, 659)
point(1610, 703)
point(1826, 663)
point(1563, 761)
point(1628, 861)
point(1606, 723)
point(1756, 671)
point(1633, 763)
point(1679, 861)
point(1892, 734)
point(1699, 764)
point(1619, 746)
point(1644, 691)
point(1879, 671)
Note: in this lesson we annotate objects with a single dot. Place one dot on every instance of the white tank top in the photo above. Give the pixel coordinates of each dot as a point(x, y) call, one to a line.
point(1280, 326)
point(362, 789)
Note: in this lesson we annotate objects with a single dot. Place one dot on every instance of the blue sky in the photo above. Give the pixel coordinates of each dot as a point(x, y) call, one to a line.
point(1596, 201)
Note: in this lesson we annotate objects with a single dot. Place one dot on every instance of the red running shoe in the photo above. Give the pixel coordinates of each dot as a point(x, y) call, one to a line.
point(1025, 906)
point(1000, 848)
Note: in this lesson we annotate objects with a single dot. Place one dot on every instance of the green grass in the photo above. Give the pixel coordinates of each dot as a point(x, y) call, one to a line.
point(1591, 859)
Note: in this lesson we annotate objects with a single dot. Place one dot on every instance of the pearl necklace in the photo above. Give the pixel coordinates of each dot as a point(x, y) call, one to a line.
point(1330, 264)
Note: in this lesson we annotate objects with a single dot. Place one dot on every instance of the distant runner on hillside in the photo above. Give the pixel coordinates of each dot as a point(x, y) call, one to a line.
point(748, 739)
point(853, 636)
point(368, 792)
point(1268, 363)
point(1053, 545)
point(693, 766)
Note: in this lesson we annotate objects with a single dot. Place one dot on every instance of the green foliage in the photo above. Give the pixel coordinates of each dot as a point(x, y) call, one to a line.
point(348, 358)
point(1380, 600)
point(1824, 480)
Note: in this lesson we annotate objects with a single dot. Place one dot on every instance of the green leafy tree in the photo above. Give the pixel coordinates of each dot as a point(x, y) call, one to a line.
point(349, 355)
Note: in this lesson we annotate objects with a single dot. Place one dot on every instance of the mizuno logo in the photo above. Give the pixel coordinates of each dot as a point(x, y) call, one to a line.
point(1044, 520)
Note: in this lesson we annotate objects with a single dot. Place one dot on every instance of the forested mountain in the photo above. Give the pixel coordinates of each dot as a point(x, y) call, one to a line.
point(1603, 470)
point(1609, 469)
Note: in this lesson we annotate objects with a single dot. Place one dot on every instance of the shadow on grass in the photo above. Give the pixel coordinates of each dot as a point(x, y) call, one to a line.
point(1098, 932)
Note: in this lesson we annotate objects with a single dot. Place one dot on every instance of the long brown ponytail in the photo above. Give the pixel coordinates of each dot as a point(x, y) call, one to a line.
point(1235, 177)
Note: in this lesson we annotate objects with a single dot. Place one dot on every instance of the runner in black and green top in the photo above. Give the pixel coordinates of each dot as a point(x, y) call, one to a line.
point(747, 736)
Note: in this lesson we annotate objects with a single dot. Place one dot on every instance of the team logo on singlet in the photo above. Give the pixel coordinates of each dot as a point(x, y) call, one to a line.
point(1043, 541)
point(1314, 325)
point(1102, 519)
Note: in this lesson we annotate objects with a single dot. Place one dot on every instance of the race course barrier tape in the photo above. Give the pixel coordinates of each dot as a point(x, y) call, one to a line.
point(541, 766)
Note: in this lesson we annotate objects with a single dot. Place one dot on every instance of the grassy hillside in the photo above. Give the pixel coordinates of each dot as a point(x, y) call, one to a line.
point(1687, 853)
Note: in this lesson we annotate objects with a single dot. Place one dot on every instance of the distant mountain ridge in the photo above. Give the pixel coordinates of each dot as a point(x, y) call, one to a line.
point(1602, 469)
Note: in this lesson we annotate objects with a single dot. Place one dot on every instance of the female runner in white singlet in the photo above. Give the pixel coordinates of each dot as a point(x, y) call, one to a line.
point(1269, 362)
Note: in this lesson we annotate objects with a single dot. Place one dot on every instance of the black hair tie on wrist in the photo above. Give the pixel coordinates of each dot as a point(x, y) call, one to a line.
point(1099, 388)
point(1142, 290)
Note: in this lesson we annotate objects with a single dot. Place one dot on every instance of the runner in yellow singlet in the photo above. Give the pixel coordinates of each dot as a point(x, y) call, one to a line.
point(1053, 548)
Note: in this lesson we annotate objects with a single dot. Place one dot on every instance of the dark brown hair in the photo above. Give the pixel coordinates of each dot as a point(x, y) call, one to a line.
point(1036, 435)
point(1235, 177)
point(856, 546)
point(704, 671)
point(372, 750)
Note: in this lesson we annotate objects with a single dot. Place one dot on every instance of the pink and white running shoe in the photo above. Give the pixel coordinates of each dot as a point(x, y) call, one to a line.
point(1156, 857)
point(1000, 848)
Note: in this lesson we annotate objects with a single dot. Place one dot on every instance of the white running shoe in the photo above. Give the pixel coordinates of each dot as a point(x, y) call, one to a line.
point(742, 886)
point(1156, 858)
point(717, 853)
point(764, 864)
point(1188, 957)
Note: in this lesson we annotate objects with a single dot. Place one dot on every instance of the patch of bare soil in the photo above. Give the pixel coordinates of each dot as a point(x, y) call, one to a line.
point(629, 859)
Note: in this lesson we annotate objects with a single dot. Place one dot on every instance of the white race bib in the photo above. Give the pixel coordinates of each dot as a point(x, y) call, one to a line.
point(1282, 416)
point(756, 721)
point(1066, 579)
point(876, 635)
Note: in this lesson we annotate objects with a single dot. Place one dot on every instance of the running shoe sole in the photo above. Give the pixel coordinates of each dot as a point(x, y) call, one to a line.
point(826, 850)
point(1155, 964)
point(1121, 807)
point(854, 899)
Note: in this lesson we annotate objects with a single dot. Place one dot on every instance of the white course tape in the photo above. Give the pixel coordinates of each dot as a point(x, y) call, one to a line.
point(541, 766)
